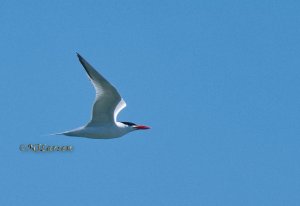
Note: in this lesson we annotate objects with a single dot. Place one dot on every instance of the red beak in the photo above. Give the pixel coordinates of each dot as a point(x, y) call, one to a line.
point(141, 127)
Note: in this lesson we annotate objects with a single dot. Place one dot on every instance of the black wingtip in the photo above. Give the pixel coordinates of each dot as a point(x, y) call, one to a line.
point(78, 55)
point(80, 58)
point(83, 62)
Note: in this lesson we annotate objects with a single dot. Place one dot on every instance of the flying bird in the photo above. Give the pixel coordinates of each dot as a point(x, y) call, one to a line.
point(107, 105)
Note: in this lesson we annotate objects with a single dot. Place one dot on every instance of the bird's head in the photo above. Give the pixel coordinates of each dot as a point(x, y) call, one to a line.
point(135, 126)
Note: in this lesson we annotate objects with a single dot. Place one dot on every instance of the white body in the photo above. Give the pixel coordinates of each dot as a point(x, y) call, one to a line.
point(100, 132)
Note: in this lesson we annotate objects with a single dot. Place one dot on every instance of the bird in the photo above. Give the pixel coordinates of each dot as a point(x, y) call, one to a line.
point(107, 105)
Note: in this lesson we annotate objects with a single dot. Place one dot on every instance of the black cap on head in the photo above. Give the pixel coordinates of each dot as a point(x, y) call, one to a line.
point(129, 123)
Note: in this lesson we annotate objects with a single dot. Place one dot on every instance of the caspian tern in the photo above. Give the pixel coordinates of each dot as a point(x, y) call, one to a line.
point(107, 105)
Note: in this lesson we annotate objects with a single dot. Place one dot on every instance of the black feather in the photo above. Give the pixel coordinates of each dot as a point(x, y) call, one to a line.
point(129, 123)
point(83, 62)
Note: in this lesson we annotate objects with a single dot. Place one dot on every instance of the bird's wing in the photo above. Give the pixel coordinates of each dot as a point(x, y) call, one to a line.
point(108, 102)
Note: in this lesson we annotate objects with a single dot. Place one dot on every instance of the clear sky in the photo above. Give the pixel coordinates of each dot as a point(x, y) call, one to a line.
point(218, 82)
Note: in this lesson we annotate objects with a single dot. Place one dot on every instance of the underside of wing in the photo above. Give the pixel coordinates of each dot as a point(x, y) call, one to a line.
point(108, 102)
point(104, 108)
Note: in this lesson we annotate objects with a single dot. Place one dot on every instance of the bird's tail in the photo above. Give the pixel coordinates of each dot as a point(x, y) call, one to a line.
point(61, 133)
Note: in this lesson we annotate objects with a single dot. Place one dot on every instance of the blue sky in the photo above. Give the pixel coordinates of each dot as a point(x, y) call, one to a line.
point(218, 82)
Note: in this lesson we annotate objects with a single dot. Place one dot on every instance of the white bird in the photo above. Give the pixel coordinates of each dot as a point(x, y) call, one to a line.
point(107, 105)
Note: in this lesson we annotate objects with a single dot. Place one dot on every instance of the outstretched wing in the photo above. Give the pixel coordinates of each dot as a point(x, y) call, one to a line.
point(108, 102)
